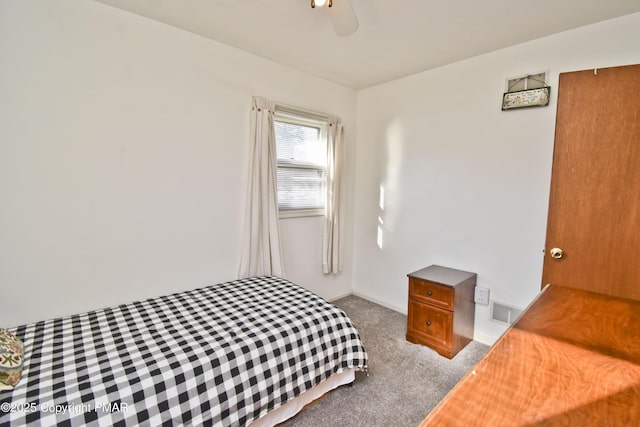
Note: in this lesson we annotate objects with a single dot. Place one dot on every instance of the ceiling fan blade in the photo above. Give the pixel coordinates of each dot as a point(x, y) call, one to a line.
point(343, 18)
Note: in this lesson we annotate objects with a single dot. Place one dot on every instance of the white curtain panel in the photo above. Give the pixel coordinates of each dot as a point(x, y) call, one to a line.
point(261, 252)
point(332, 239)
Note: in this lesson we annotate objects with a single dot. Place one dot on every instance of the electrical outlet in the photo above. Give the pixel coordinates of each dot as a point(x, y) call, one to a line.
point(481, 296)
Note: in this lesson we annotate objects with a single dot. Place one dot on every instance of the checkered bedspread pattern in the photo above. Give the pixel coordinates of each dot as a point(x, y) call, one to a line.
point(221, 355)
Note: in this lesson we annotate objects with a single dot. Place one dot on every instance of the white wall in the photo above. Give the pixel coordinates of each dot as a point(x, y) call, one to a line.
point(123, 159)
point(466, 185)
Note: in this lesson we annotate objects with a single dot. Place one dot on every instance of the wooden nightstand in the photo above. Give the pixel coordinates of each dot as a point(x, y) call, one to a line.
point(441, 309)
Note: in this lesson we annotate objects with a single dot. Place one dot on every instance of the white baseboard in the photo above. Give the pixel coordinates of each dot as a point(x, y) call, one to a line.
point(484, 338)
point(336, 298)
point(402, 310)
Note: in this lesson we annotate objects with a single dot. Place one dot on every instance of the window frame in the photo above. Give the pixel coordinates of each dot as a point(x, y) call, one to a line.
point(512, 83)
point(302, 118)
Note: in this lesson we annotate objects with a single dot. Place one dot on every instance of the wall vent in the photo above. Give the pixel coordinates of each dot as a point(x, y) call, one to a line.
point(504, 313)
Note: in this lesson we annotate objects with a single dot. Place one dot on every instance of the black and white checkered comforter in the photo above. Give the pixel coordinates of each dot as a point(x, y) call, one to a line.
point(221, 355)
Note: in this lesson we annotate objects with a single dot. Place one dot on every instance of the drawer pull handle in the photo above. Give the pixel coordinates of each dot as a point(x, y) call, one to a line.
point(428, 322)
point(429, 293)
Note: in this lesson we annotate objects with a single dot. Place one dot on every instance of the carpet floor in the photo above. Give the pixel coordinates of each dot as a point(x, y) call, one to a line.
point(405, 380)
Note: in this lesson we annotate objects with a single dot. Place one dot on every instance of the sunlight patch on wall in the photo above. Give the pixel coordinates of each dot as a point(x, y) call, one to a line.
point(380, 237)
point(380, 222)
point(392, 165)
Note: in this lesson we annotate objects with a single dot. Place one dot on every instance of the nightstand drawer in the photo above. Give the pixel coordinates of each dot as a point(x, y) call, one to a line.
point(431, 293)
point(433, 323)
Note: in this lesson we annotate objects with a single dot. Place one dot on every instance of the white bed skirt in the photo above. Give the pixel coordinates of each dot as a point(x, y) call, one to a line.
point(295, 405)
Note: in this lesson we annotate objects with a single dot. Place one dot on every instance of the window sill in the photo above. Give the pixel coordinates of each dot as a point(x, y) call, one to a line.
point(298, 213)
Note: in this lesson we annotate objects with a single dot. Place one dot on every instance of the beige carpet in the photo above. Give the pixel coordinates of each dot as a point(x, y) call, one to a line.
point(405, 380)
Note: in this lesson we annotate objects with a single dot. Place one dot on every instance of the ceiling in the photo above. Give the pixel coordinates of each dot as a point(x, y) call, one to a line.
point(395, 38)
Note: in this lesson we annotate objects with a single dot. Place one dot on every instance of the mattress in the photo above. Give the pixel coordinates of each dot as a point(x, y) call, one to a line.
point(223, 355)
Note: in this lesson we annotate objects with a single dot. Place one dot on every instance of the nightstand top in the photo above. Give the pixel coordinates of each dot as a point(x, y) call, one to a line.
point(442, 275)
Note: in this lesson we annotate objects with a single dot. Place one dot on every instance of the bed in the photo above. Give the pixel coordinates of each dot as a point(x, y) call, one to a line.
point(229, 354)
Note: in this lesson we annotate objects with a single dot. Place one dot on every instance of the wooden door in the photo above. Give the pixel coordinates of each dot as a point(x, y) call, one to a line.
point(594, 205)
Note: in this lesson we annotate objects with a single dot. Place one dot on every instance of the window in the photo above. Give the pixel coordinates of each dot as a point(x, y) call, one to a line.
point(301, 146)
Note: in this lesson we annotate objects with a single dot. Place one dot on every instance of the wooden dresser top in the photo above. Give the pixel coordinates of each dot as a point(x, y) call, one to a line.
point(573, 358)
point(442, 275)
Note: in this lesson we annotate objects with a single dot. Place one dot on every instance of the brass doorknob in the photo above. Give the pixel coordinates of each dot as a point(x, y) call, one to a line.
point(556, 253)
